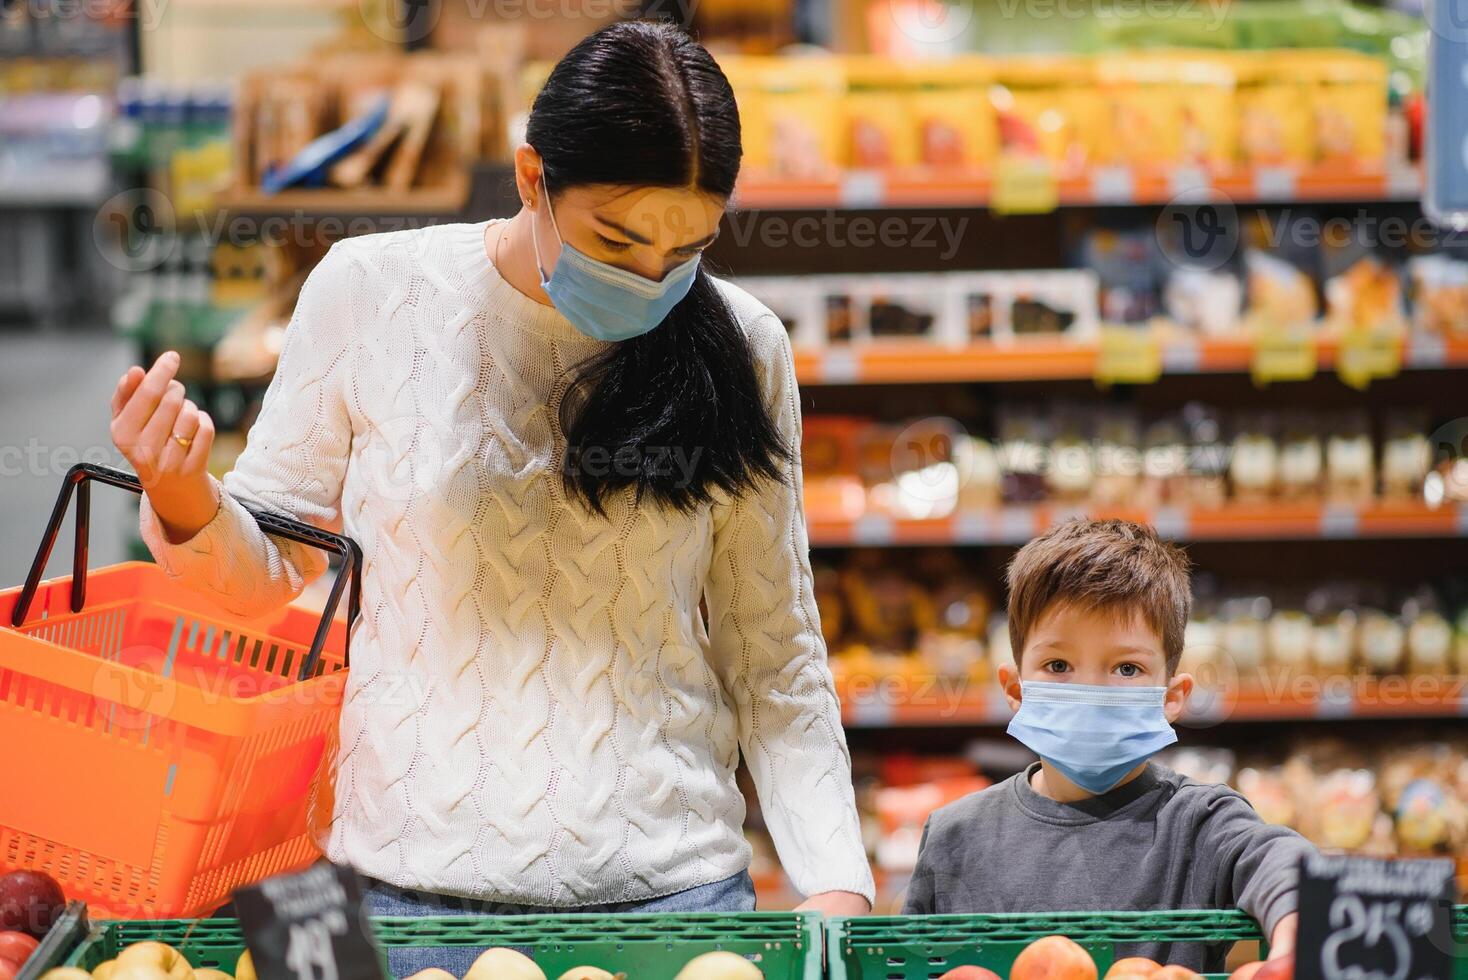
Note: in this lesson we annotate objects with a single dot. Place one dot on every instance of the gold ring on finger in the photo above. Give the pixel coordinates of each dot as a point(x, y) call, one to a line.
point(183, 441)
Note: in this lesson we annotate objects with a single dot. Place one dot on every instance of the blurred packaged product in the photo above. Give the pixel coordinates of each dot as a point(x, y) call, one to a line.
point(879, 105)
point(1073, 455)
point(370, 118)
point(1350, 460)
point(1167, 110)
point(1048, 107)
point(1278, 293)
point(948, 308)
point(792, 114)
point(1254, 462)
point(1439, 294)
point(1367, 296)
point(1406, 455)
point(955, 117)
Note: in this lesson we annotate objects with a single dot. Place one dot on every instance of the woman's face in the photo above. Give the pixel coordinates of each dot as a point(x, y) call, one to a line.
point(646, 230)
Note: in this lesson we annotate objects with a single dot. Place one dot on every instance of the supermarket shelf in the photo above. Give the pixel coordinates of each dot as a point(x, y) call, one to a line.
point(1056, 359)
point(440, 201)
point(1237, 522)
point(928, 701)
point(1102, 186)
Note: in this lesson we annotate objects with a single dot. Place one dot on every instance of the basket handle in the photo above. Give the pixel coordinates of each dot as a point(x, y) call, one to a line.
point(78, 478)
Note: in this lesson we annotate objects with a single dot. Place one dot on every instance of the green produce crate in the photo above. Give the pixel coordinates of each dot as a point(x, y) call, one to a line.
point(923, 947)
point(920, 947)
point(785, 945)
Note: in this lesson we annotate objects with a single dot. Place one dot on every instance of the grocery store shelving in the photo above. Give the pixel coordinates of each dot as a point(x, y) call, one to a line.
point(1235, 522)
point(1100, 186)
point(1058, 359)
point(446, 199)
point(888, 701)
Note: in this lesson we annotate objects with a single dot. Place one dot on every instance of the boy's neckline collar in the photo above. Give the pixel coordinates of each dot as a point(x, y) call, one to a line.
point(1091, 810)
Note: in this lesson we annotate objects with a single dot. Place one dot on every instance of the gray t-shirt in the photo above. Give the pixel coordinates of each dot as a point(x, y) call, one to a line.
point(1162, 841)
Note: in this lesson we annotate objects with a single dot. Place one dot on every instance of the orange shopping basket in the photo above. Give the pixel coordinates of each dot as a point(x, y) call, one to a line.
point(162, 752)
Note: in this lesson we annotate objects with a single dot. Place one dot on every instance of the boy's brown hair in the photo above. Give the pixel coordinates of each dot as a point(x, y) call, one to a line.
point(1111, 565)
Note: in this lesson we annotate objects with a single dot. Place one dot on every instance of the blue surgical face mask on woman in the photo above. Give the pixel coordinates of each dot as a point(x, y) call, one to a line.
point(603, 301)
point(1093, 735)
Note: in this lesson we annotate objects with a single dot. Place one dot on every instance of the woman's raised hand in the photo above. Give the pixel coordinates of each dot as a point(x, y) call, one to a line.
point(166, 438)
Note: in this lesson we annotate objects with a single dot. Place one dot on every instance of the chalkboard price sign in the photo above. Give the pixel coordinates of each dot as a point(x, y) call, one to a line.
point(309, 926)
point(1373, 919)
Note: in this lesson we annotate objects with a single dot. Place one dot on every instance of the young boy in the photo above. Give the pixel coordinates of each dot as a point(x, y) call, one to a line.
point(1096, 617)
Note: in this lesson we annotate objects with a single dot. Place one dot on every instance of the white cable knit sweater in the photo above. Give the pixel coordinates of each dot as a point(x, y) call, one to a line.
point(536, 712)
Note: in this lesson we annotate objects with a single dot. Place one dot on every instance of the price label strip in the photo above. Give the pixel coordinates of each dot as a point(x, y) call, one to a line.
point(1374, 919)
point(1127, 356)
point(1024, 185)
point(309, 926)
point(1367, 355)
point(1283, 354)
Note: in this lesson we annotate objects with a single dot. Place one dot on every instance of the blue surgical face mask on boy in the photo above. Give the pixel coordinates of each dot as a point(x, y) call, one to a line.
point(1093, 735)
point(603, 301)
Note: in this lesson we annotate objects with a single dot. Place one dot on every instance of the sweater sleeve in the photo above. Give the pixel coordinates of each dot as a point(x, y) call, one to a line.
point(1258, 863)
point(771, 658)
point(294, 462)
point(920, 898)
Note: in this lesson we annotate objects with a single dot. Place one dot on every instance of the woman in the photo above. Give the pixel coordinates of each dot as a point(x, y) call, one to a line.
point(552, 435)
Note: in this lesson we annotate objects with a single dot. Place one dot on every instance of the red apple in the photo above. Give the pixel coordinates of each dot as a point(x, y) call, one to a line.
point(17, 946)
point(29, 902)
point(1053, 958)
point(8, 969)
point(1132, 966)
point(970, 973)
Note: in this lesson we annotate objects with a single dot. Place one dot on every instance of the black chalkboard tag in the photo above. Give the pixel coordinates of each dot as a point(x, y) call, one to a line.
point(1374, 919)
point(309, 925)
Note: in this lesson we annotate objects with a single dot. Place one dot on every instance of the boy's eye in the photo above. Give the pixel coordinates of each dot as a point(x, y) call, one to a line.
point(611, 243)
point(1056, 666)
point(1129, 670)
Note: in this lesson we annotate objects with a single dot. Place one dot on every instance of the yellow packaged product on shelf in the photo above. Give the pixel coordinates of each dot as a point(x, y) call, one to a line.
point(1048, 106)
point(1276, 112)
point(1167, 108)
point(1349, 97)
point(881, 131)
point(791, 113)
point(955, 118)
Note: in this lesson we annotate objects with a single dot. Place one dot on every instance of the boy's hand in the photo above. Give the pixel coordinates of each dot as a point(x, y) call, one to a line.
point(1282, 942)
point(835, 903)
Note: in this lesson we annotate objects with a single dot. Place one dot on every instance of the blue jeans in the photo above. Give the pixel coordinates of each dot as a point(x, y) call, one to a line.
point(733, 894)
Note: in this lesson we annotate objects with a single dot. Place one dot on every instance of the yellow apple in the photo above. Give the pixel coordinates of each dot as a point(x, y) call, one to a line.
point(720, 965)
point(504, 964)
point(433, 973)
point(160, 955)
point(104, 970)
point(590, 973)
point(245, 968)
point(66, 973)
point(208, 973)
point(141, 971)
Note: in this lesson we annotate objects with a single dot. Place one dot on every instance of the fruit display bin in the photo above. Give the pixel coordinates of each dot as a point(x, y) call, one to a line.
point(924, 947)
point(173, 751)
point(785, 945)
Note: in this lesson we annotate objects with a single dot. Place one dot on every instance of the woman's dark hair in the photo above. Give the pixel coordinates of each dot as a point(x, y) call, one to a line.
point(642, 104)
